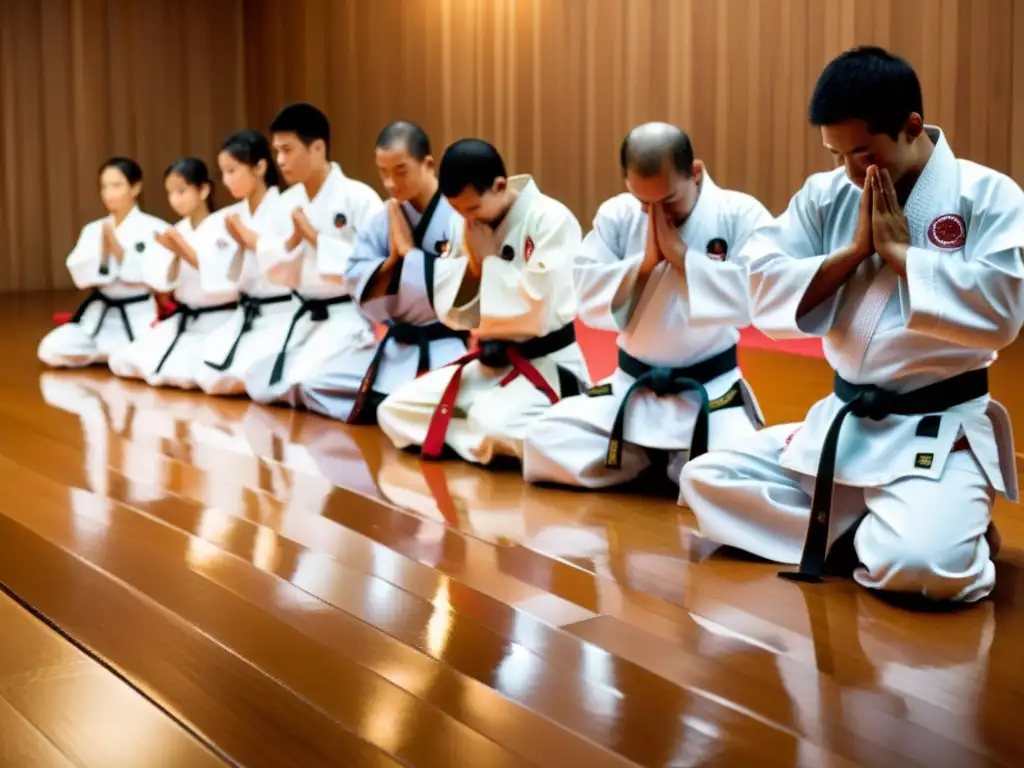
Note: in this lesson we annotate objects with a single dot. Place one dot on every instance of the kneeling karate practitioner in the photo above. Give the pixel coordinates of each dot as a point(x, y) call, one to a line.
point(321, 215)
point(660, 266)
point(908, 262)
point(507, 277)
point(227, 260)
point(391, 276)
point(170, 352)
point(109, 258)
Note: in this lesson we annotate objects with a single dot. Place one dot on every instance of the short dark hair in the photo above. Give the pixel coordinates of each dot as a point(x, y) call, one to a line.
point(305, 121)
point(132, 170)
point(410, 135)
point(470, 163)
point(646, 148)
point(870, 84)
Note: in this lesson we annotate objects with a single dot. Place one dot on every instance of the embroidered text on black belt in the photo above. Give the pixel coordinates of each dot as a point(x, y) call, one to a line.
point(251, 309)
point(495, 353)
point(185, 313)
point(865, 401)
point(670, 381)
point(108, 304)
point(318, 312)
point(401, 333)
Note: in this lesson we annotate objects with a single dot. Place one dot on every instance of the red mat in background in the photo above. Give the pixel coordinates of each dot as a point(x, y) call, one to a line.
point(600, 351)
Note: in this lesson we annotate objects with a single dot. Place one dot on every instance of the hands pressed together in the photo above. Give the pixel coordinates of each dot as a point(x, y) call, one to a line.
point(882, 227)
point(479, 241)
point(663, 242)
point(401, 241)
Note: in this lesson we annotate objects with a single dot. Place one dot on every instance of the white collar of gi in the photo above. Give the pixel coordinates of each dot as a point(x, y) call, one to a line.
point(334, 177)
point(528, 195)
point(934, 179)
point(133, 214)
point(268, 201)
point(705, 203)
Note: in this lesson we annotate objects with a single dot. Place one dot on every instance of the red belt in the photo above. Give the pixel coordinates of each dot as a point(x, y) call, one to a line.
point(496, 354)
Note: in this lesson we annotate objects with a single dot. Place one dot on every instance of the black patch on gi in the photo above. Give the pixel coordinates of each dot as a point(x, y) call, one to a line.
point(718, 247)
point(929, 426)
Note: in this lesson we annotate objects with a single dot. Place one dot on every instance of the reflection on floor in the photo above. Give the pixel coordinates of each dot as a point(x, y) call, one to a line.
point(282, 590)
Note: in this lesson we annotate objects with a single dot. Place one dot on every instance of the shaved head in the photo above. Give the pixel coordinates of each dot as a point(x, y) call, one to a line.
point(651, 148)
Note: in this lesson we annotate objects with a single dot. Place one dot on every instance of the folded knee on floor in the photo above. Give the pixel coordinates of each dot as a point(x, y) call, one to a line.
point(923, 562)
point(699, 473)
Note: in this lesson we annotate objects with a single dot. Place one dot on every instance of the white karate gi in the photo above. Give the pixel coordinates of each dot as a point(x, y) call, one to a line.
point(679, 317)
point(927, 506)
point(407, 310)
point(101, 328)
point(526, 292)
point(223, 267)
point(170, 352)
point(339, 211)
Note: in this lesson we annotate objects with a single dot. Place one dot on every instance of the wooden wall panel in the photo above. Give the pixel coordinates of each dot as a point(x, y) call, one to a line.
point(81, 80)
point(556, 83)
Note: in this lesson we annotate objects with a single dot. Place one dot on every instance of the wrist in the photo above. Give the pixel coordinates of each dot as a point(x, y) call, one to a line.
point(852, 253)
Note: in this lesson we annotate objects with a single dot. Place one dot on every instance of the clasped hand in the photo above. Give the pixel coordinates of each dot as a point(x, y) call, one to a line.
point(663, 241)
point(882, 226)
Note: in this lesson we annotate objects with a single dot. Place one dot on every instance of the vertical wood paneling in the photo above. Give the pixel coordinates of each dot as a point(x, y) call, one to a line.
point(554, 83)
point(81, 80)
point(557, 83)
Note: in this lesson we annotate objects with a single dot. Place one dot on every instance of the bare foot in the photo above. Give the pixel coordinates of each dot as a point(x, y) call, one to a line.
point(994, 539)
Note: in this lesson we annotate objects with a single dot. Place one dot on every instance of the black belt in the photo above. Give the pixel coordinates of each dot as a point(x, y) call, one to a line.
point(497, 353)
point(318, 312)
point(108, 304)
point(251, 308)
point(866, 401)
point(402, 333)
point(185, 313)
point(494, 352)
point(672, 381)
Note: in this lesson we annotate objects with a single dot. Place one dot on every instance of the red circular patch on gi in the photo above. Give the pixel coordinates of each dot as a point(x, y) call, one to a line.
point(528, 249)
point(948, 231)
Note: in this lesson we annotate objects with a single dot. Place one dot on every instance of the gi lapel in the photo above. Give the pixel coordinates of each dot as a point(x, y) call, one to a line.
point(919, 211)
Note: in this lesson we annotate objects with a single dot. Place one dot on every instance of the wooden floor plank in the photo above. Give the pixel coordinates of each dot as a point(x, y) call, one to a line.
point(167, 567)
point(356, 510)
point(602, 592)
point(22, 745)
point(61, 707)
point(220, 696)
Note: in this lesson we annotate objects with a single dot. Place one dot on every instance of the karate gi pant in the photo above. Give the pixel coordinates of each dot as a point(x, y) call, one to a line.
point(331, 388)
point(264, 339)
point(183, 366)
point(89, 342)
point(917, 535)
point(313, 348)
point(490, 420)
point(568, 445)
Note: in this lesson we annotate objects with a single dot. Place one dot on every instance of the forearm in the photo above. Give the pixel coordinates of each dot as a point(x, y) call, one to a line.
point(835, 270)
point(185, 252)
point(469, 289)
point(380, 283)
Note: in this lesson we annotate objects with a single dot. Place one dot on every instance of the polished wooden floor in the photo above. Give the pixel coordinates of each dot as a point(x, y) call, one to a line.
point(193, 582)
